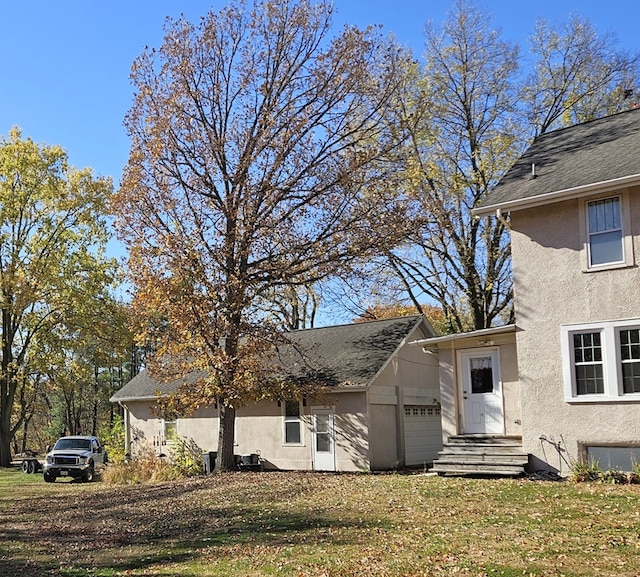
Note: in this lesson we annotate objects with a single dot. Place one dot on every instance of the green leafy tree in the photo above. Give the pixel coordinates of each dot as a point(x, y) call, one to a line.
point(254, 139)
point(52, 231)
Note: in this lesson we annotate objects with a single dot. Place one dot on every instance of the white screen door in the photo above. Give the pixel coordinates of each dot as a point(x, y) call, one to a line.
point(482, 392)
point(324, 445)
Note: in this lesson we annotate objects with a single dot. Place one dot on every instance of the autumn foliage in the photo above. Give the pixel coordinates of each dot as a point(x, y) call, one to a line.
point(254, 138)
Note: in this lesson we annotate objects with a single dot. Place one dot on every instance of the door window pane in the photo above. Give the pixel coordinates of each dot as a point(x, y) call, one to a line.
point(481, 375)
point(323, 434)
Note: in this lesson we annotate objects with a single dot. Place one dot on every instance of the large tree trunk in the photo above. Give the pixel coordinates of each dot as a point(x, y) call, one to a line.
point(225, 461)
point(7, 388)
point(5, 428)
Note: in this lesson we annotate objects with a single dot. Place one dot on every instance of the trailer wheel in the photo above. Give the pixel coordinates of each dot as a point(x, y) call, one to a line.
point(25, 467)
point(32, 467)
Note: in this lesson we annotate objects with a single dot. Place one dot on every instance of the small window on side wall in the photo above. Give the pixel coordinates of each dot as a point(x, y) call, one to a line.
point(170, 431)
point(605, 234)
point(292, 423)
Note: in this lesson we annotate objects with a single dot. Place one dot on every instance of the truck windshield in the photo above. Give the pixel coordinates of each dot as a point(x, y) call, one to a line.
point(82, 444)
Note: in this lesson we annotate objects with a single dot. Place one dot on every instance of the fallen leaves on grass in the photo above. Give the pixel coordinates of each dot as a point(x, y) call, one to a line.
point(304, 524)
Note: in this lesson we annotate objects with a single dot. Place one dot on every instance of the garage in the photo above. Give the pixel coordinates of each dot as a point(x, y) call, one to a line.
point(422, 434)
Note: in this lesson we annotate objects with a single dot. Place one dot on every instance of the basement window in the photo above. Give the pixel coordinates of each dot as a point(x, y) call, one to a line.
point(617, 458)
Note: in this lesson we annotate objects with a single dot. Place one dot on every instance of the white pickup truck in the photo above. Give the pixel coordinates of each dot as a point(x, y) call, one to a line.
point(77, 457)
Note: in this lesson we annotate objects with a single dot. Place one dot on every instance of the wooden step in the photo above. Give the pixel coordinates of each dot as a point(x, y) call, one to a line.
point(484, 440)
point(478, 458)
point(468, 469)
point(482, 449)
point(481, 455)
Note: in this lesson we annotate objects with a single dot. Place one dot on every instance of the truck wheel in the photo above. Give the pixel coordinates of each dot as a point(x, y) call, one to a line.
point(49, 478)
point(88, 476)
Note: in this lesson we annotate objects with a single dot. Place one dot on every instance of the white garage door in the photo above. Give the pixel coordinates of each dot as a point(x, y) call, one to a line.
point(422, 434)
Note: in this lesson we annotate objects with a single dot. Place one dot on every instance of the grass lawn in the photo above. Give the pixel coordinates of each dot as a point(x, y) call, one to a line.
point(299, 524)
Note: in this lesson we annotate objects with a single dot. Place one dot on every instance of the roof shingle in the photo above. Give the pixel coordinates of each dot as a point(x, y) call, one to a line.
point(349, 355)
point(598, 151)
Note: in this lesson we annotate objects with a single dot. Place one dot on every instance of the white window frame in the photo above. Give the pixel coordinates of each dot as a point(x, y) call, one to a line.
point(292, 419)
point(625, 224)
point(172, 423)
point(611, 361)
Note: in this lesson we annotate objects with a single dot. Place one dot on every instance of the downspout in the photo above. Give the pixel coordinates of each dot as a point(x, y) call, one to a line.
point(502, 219)
point(456, 387)
point(127, 430)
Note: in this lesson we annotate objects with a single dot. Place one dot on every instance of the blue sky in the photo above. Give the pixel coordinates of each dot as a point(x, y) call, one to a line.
point(64, 66)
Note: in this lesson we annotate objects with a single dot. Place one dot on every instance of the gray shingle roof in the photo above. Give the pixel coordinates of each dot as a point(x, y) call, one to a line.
point(595, 152)
point(349, 355)
point(143, 386)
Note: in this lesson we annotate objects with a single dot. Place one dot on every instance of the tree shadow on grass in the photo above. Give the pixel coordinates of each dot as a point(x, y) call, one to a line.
point(148, 528)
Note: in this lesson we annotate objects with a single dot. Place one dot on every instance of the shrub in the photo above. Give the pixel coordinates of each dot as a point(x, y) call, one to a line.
point(614, 477)
point(582, 471)
point(113, 440)
point(146, 467)
point(186, 457)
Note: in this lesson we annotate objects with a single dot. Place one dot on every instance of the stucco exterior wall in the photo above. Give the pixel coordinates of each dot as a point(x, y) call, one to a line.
point(352, 432)
point(146, 428)
point(409, 379)
point(553, 289)
point(260, 429)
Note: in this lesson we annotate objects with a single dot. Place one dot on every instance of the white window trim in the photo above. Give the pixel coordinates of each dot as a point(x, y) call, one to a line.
point(166, 439)
point(284, 425)
point(611, 361)
point(628, 258)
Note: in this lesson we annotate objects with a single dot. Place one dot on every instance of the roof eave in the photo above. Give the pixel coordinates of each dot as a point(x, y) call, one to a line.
point(492, 331)
point(131, 399)
point(559, 195)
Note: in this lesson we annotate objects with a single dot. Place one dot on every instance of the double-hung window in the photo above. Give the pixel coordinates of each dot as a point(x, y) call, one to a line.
point(292, 423)
point(630, 360)
point(604, 221)
point(588, 365)
point(602, 361)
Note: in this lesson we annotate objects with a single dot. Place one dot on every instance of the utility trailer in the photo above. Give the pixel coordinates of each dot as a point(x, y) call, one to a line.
point(29, 463)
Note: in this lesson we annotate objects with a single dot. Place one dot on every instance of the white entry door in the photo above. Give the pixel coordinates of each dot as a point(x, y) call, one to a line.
point(482, 392)
point(324, 439)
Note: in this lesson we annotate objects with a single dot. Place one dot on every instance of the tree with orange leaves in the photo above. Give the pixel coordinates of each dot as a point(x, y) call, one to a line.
point(254, 139)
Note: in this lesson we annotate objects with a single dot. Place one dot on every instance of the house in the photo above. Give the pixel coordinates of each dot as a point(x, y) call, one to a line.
point(573, 201)
point(382, 412)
